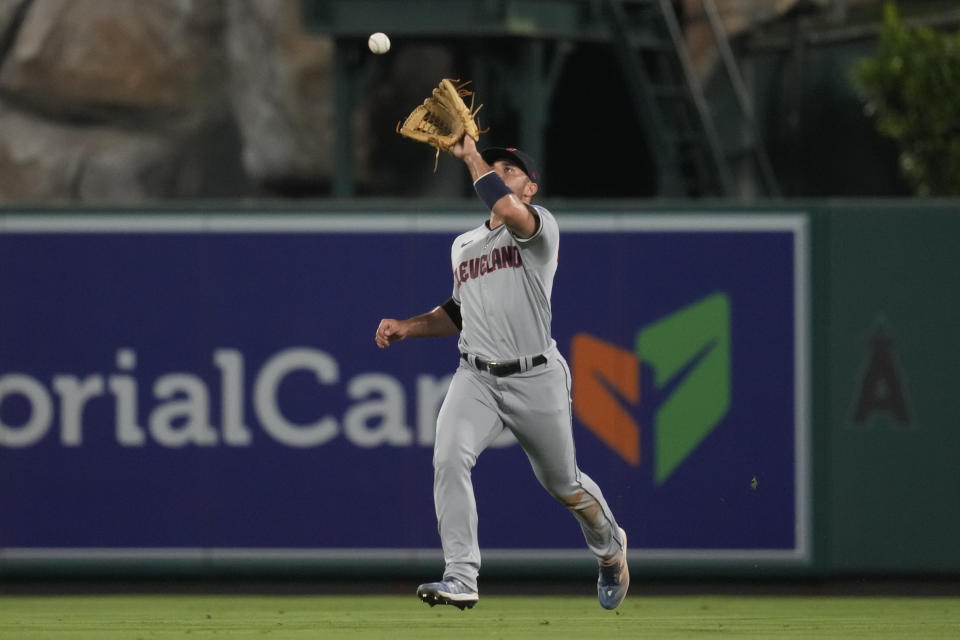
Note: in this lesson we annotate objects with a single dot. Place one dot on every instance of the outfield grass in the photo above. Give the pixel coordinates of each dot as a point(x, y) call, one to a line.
point(202, 617)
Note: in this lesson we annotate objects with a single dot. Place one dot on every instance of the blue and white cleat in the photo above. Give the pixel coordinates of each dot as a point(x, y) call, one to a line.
point(614, 579)
point(449, 591)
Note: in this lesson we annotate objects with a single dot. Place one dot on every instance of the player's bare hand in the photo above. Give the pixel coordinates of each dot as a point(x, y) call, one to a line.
point(388, 332)
point(464, 148)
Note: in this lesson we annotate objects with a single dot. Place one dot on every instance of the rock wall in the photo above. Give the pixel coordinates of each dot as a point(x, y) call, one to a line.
point(109, 101)
point(129, 101)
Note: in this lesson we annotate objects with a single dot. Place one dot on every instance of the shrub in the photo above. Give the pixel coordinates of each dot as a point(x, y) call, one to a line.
point(911, 89)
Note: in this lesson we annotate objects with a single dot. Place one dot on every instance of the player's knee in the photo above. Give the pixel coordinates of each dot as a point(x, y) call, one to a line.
point(570, 500)
point(563, 491)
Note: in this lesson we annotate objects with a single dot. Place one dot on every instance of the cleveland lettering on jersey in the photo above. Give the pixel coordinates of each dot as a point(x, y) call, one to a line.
point(499, 258)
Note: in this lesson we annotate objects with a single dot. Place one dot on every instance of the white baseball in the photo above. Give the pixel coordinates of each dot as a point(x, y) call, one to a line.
point(379, 43)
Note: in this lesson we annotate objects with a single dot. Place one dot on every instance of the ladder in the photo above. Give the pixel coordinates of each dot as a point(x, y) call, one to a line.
point(669, 99)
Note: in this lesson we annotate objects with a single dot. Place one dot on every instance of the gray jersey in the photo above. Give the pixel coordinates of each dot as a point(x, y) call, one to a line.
point(503, 285)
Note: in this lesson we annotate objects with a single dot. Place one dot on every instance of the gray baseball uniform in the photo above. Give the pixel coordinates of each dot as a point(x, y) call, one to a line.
point(503, 285)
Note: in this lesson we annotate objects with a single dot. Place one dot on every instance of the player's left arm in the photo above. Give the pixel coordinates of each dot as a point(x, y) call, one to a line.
point(519, 216)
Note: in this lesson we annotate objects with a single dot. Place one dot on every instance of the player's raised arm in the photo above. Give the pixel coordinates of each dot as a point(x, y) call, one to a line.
point(433, 324)
point(504, 186)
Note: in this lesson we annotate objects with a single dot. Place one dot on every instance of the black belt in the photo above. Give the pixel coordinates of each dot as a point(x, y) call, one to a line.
point(505, 367)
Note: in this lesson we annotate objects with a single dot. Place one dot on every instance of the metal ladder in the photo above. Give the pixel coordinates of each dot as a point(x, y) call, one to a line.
point(669, 99)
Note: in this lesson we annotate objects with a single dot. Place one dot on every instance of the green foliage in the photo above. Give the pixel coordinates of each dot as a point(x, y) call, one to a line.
point(911, 88)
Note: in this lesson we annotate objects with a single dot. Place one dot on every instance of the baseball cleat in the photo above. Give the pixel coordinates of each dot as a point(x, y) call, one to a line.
point(614, 579)
point(449, 591)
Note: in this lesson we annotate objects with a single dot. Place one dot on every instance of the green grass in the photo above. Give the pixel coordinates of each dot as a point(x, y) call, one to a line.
point(195, 617)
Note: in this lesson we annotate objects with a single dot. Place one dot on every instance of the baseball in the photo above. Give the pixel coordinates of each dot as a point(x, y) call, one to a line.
point(379, 43)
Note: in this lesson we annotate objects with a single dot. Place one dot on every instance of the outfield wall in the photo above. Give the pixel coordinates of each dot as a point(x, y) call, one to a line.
point(758, 390)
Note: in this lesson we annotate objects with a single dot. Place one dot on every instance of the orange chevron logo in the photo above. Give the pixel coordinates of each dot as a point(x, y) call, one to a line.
point(602, 372)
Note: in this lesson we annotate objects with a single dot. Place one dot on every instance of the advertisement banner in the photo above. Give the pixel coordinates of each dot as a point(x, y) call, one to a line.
point(181, 382)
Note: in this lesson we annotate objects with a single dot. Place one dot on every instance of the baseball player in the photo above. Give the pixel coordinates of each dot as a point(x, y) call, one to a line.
point(511, 375)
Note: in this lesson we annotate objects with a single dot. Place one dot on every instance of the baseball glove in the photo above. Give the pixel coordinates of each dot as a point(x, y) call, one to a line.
point(443, 118)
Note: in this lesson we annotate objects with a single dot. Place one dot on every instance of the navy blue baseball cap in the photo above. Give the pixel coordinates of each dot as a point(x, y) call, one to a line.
point(515, 156)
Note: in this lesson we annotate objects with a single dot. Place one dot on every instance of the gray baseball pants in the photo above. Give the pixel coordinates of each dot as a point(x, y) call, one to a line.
point(535, 406)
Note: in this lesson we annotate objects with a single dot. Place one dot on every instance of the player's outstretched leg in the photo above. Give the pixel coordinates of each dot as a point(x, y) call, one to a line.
point(448, 591)
point(614, 578)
